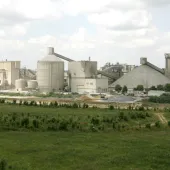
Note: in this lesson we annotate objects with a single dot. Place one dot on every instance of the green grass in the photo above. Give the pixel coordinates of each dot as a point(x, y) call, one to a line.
point(143, 150)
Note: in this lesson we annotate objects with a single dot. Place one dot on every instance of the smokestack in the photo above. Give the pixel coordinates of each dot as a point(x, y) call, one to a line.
point(167, 64)
point(143, 60)
point(89, 58)
point(50, 50)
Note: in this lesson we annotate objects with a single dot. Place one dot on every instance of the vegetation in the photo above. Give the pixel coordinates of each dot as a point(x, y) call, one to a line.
point(38, 118)
point(139, 88)
point(167, 88)
point(153, 88)
point(125, 89)
point(160, 87)
point(55, 136)
point(164, 98)
point(118, 88)
point(83, 151)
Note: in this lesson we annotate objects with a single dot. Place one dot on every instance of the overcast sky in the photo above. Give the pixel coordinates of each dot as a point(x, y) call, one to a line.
point(107, 30)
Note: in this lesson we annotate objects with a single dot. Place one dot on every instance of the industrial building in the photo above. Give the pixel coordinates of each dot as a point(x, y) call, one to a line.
point(81, 77)
point(50, 73)
point(117, 70)
point(84, 79)
point(9, 72)
point(147, 75)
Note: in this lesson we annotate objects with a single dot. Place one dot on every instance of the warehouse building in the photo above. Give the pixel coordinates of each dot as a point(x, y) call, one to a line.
point(147, 75)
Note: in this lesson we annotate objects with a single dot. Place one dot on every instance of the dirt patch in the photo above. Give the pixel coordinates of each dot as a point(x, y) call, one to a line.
point(162, 118)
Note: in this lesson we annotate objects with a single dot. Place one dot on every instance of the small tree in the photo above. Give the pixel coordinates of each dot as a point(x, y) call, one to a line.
point(167, 87)
point(160, 87)
point(153, 88)
point(118, 88)
point(125, 89)
point(140, 88)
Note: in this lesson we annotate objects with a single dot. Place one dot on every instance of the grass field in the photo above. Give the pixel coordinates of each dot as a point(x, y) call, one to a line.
point(87, 151)
point(24, 149)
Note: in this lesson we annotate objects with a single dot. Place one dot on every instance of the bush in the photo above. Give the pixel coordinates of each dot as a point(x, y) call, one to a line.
point(75, 105)
point(148, 126)
point(140, 88)
point(125, 89)
point(118, 88)
point(63, 125)
point(157, 124)
point(111, 107)
point(35, 123)
point(95, 121)
point(3, 164)
point(169, 123)
point(25, 122)
point(85, 106)
point(167, 88)
point(160, 87)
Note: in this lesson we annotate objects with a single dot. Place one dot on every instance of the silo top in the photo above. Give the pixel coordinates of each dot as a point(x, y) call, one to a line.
point(51, 58)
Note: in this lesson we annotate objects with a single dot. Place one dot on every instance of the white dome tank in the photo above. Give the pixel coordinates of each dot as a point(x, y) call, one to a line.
point(20, 84)
point(32, 84)
point(50, 73)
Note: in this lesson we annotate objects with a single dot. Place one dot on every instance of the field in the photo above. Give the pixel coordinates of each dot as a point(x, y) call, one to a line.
point(84, 147)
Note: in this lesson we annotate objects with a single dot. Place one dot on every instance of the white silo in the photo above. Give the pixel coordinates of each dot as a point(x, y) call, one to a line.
point(32, 84)
point(20, 84)
point(50, 73)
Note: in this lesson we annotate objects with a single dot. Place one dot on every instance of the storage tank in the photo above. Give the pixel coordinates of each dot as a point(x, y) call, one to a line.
point(32, 84)
point(50, 73)
point(20, 84)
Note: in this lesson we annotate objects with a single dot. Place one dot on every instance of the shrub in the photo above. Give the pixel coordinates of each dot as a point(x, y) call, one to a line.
point(95, 121)
point(111, 107)
point(118, 88)
point(35, 123)
point(157, 124)
point(114, 125)
point(75, 105)
point(169, 123)
point(160, 87)
point(167, 88)
point(25, 122)
point(140, 88)
point(141, 108)
point(124, 90)
point(3, 164)
point(63, 125)
point(148, 126)
point(125, 118)
point(85, 106)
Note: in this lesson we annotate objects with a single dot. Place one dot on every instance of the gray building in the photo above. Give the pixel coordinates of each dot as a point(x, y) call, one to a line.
point(147, 75)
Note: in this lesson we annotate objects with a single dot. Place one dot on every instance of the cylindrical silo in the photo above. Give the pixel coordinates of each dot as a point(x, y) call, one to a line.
point(20, 84)
point(32, 84)
point(50, 73)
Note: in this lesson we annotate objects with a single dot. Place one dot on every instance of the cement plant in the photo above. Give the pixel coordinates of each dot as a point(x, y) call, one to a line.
point(82, 77)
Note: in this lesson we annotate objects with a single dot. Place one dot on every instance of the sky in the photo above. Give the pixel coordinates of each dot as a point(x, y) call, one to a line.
point(106, 30)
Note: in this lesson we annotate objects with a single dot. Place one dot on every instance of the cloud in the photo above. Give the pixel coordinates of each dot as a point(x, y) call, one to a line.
point(122, 20)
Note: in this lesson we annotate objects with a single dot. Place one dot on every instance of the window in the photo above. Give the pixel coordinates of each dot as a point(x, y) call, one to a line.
point(91, 83)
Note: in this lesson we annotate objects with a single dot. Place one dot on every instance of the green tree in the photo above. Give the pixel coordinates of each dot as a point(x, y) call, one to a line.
point(167, 87)
point(125, 89)
point(140, 88)
point(118, 88)
point(160, 87)
point(153, 88)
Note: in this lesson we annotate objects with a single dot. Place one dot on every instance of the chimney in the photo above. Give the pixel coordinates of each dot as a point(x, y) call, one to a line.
point(143, 60)
point(89, 58)
point(50, 50)
point(167, 64)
